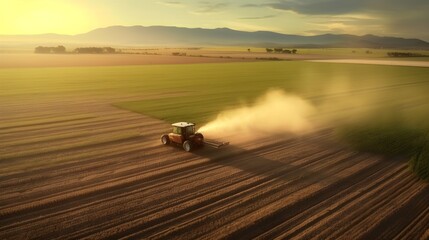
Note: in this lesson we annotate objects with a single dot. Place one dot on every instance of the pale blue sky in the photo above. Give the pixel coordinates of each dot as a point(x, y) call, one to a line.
point(306, 17)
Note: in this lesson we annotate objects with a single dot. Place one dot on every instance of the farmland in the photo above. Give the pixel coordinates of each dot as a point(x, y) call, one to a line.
point(25, 58)
point(28, 60)
point(80, 154)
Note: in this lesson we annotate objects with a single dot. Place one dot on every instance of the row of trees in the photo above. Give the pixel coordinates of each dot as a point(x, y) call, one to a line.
point(281, 50)
point(405, 54)
point(95, 50)
point(58, 49)
point(62, 49)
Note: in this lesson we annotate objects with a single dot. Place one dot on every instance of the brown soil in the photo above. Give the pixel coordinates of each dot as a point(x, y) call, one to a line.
point(102, 173)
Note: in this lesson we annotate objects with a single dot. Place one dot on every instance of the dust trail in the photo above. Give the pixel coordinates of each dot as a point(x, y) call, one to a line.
point(276, 112)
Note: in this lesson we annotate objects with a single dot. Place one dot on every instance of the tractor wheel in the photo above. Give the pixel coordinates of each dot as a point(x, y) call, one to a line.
point(187, 145)
point(165, 140)
point(199, 139)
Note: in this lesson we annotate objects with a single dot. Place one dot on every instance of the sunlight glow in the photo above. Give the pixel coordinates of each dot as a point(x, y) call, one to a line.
point(43, 16)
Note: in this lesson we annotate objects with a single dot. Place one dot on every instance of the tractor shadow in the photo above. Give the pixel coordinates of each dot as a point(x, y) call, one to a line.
point(253, 161)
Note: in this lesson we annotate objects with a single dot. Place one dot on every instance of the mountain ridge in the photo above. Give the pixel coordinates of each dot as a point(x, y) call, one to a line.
point(171, 35)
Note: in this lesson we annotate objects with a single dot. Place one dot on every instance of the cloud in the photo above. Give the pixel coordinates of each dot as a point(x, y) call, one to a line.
point(210, 7)
point(312, 7)
point(409, 24)
point(398, 17)
point(338, 7)
point(253, 5)
point(260, 17)
point(245, 26)
point(171, 3)
point(359, 25)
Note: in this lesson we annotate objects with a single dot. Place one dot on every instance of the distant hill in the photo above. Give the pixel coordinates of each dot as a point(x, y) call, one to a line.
point(179, 36)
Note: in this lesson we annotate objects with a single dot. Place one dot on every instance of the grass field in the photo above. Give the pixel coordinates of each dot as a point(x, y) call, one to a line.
point(198, 92)
point(331, 87)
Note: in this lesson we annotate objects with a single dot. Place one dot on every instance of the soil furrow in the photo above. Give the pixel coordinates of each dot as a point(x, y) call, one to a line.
point(265, 223)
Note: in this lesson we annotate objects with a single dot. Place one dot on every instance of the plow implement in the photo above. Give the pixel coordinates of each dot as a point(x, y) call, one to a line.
point(215, 143)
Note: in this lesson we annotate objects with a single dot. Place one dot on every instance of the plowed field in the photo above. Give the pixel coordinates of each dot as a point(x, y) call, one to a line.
point(80, 168)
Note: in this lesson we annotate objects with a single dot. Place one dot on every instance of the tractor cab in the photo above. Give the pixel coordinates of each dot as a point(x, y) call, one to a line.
point(182, 131)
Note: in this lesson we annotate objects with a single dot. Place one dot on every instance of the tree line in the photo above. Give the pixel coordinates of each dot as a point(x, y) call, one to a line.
point(62, 49)
point(58, 49)
point(405, 54)
point(280, 50)
point(95, 50)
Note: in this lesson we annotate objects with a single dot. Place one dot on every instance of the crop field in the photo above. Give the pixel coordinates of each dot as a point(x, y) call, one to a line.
point(81, 157)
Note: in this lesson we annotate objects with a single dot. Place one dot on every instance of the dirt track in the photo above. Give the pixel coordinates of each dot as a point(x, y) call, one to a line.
point(100, 172)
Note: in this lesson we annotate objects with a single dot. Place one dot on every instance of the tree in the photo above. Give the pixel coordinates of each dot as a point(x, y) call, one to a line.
point(278, 50)
point(294, 51)
point(41, 49)
point(109, 50)
point(96, 50)
point(269, 50)
point(59, 49)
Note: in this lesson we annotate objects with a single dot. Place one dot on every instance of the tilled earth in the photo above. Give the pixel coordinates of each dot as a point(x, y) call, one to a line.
point(79, 168)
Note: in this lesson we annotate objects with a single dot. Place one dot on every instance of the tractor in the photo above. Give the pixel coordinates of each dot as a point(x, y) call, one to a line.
point(184, 134)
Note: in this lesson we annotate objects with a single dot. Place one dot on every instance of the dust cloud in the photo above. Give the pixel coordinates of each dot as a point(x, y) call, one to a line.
point(276, 112)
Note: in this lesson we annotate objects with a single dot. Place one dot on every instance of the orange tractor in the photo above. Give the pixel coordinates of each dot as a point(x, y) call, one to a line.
point(184, 134)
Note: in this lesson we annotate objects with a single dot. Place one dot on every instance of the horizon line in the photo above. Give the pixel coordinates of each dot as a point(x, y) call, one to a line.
point(129, 26)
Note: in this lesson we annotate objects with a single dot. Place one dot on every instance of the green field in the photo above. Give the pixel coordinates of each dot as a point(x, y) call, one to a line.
point(198, 92)
point(346, 95)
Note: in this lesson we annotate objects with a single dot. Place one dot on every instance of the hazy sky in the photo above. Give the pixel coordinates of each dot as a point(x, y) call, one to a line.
point(404, 18)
